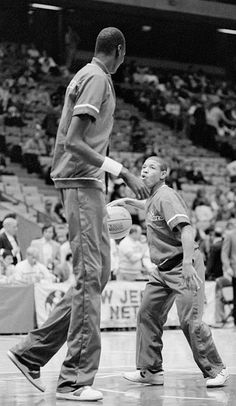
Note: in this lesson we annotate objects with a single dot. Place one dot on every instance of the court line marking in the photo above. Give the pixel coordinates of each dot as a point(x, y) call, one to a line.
point(112, 391)
point(185, 397)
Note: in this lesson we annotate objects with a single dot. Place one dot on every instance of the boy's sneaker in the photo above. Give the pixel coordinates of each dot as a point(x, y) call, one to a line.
point(219, 380)
point(145, 376)
point(32, 376)
point(85, 393)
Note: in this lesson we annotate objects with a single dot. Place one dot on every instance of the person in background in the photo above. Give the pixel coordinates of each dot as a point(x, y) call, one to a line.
point(131, 254)
point(228, 258)
point(78, 170)
point(8, 240)
point(6, 266)
point(64, 271)
point(30, 270)
point(48, 248)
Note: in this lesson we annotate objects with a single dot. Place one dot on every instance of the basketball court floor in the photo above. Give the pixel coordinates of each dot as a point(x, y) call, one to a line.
point(184, 385)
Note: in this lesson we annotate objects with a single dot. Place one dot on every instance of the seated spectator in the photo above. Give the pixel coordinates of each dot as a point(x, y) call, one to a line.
point(48, 248)
point(8, 240)
point(48, 65)
point(64, 271)
point(200, 199)
point(49, 216)
point(30, 270)
point(119, 190)
point(59, 213)
point(195, 175)
point(131, 254)
point(6, 266)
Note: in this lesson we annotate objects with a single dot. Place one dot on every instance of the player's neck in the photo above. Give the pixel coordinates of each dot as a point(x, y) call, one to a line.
point(158, 186)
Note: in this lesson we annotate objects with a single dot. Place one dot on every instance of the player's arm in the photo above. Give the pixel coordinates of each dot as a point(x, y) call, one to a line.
point(127, 201)
point(76, 145)
point(190, 275)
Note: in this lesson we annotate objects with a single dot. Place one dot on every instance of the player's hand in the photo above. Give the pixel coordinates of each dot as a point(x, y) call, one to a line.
point(136, 184)
point(117, 202)
point(190, 277)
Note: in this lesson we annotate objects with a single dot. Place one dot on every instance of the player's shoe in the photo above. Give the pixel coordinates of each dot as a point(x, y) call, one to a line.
point(145, 376)
point(32, 376)
point(85, 393)
point(219, 380)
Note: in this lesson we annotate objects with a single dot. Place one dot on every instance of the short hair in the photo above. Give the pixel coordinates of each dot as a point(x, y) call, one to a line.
point(108, 40)
point(9, 220)
point(47, 226)
point(6, 253)
point(163, 164)
point(32, 251)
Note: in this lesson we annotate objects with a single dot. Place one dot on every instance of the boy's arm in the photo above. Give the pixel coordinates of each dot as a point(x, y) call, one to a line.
point(138, 204)
point(190, 276)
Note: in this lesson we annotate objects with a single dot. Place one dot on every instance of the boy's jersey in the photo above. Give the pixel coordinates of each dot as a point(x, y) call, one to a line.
point(165, 209)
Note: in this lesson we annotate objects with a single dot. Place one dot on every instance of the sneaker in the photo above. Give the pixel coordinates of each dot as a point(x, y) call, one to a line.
point(32, 376)
point(145, 376)
point(85, 393)
point(219, 380)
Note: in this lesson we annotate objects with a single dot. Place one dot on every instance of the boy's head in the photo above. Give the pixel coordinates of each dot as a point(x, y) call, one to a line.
point(154, 171)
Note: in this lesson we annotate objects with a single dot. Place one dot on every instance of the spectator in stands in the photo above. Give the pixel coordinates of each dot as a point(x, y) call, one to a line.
point(52, 117)
point(6, 265)
point(228, 257)
point(48, 248)
point(49, 212)
point(8, 240)
point(59, 213)
point(64, 271)
point(194, 174)
point(119, 189)
point(65, 249)
point(131, 254)
point(214, 264)
point(200, 199)
point(33, 148)
point(48, 65)
point(216, 116)
point(30, 270)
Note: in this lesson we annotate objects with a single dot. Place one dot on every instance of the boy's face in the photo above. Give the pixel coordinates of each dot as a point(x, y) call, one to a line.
point(151, 173)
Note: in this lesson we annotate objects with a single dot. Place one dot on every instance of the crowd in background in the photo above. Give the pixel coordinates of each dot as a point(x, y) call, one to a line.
point(194, 105)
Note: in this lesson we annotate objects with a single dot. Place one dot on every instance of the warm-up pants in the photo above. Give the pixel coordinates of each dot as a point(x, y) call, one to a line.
point(76, 318)
point(161, 291)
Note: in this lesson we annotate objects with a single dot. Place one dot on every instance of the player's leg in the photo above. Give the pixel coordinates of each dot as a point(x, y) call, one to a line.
point(85, 215)
point(190, 306)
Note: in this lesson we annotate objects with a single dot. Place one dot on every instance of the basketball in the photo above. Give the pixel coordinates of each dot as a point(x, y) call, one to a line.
point(119, 222)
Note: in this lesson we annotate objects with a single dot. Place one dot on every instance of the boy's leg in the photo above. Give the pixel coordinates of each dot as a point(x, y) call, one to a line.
point(156, 303)
point(190, 306)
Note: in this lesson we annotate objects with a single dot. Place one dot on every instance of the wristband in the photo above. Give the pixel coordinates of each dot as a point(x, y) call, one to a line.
point(111, 166)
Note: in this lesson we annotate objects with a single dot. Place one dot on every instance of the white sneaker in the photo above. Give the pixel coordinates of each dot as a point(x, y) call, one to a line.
point(145, 376)
point(219, 380)
point(32, 376)
point(85, 393)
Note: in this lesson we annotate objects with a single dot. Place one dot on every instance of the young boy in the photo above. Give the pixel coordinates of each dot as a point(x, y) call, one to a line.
point(179, 276)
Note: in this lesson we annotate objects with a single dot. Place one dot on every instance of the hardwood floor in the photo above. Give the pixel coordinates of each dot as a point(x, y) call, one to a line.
point(184, 385)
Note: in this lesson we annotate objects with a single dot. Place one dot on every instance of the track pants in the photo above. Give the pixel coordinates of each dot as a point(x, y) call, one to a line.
point(161, 291)
point(76, 318)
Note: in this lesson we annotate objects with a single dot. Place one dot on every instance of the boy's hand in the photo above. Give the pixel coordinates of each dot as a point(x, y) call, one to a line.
point(190, 277)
